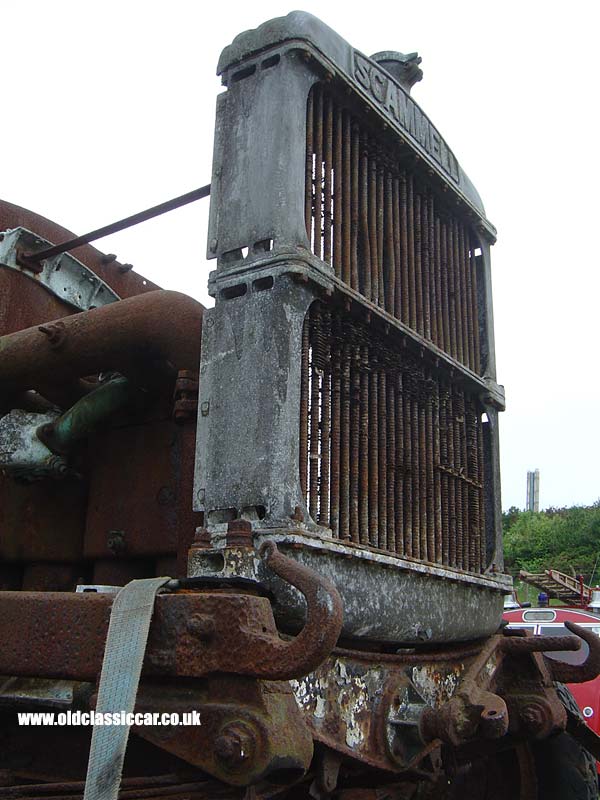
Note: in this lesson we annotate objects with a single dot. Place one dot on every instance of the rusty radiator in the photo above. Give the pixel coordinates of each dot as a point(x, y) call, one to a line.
point(348, 403)
point(385, 230)
point(390, 452)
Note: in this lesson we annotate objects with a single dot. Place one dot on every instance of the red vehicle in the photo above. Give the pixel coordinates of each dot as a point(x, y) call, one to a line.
point(550, 621)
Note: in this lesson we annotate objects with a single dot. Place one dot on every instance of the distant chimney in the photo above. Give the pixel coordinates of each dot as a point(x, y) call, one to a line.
point(533, 491)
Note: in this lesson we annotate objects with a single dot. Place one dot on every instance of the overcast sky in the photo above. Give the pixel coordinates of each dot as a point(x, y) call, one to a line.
point(108, 108)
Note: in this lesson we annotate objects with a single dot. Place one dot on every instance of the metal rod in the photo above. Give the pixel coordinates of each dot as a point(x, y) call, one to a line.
point(475, 309)
point(437, 477)
point(444, 478)
point(397, 237)
point(451, 480)
point(373, 233)
point(430, 493)
point(355, 445)
point(391, 460)
point(426, 267)
point(328, 159)
point(346, 195)
point(433, 287)
point(423, 448)
point(315, 392)
point(412, 288)
point(380, 229)
point(308, 168)
point(420, 324)
point(373, 458)
point(318, 145)
point(304, 382)
point(365, 283)
point(408, 469)
point(405, 262)
point(336, 411)
point(114, 227)
point(345, 447)
point(399, 465)
point(382, 471)
point(364, 447)
point(390, 252)
point(337, 195)
point(325, 425)
point(354, 205)
point(415, 477)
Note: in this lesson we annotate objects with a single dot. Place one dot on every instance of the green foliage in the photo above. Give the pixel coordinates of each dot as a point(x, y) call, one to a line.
point(566, 539)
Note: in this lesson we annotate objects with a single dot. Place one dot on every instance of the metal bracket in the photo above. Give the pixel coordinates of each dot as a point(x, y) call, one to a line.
point(63, 275)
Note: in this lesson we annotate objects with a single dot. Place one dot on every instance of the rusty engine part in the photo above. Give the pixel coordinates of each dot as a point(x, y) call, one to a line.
point(139, 337)
point(192, 634)
point(250, 729)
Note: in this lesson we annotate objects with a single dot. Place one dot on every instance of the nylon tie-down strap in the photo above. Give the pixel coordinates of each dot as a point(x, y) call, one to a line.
point(121, 669)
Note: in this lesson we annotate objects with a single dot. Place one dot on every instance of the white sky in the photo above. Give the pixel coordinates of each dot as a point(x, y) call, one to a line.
point(108, 108)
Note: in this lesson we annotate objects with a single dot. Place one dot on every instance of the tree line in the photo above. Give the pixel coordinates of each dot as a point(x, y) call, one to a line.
point(566, 539)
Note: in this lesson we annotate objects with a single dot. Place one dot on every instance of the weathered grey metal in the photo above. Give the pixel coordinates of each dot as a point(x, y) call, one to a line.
point(247, 437)
point(22, 453)
point(404, 67)
point(63, 275)
point(257, 196)
point(269, 273)
point(385, 598)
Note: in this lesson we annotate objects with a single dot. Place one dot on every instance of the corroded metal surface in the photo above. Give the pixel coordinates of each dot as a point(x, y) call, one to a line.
point(580, 673)
point(126, 337)
point(386, 598)
point(250, 730)
point(406, 452)
point(63, 276)
point(192, 634)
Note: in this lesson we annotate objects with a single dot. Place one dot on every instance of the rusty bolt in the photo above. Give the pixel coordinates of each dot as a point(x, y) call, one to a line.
point(201, 626)
point(235, 744)
point(534, 718)
point(56, 333)
point(123, 268)
point(297, 516)
point(116, 542)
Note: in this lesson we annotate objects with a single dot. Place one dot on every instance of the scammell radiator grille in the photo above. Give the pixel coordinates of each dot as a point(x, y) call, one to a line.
point(391, 452)
point(387, 231)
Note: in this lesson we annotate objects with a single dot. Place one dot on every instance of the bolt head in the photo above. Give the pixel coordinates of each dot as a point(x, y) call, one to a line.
point(235, 744)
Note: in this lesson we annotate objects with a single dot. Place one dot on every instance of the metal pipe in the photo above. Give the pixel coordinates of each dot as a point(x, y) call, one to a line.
point(141, 337)
point(325, 425)
point(308, 169)
point(337, 194)
point(318, 146)
point(82, 419)
point(354, 206)
point(390, 436)
point(364, 447)
point(355, 445)
point(382, 451)
point(304, 384)
point(327, 183)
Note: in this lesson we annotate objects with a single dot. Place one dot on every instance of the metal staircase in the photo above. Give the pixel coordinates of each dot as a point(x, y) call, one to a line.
point(559, 586)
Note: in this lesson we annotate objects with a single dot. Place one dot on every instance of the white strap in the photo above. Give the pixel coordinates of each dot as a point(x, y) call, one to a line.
point(121, 669)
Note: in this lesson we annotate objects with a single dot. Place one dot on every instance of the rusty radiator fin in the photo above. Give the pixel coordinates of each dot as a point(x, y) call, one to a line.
point(391, 451)
point(386, 231)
